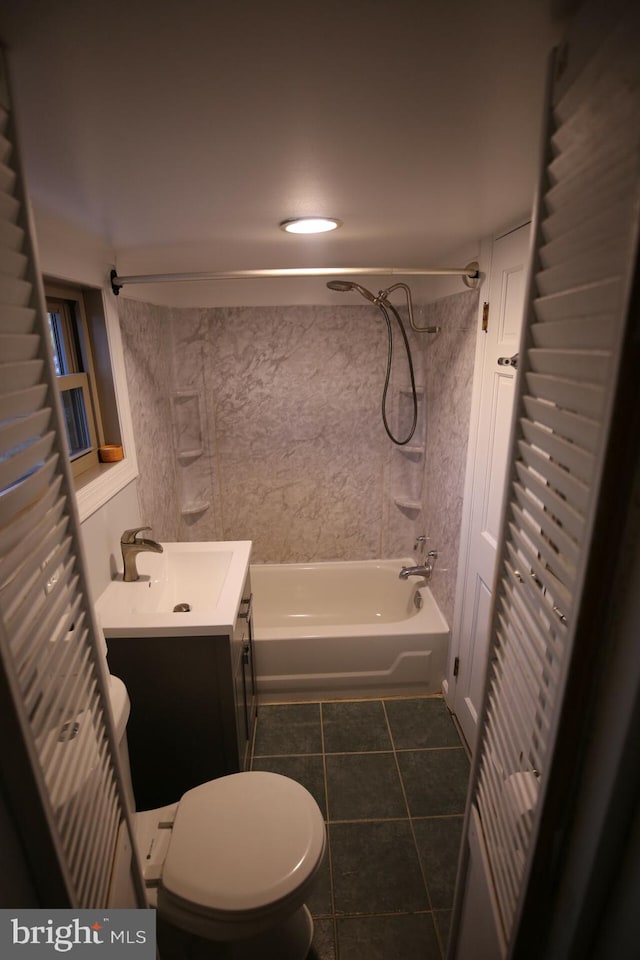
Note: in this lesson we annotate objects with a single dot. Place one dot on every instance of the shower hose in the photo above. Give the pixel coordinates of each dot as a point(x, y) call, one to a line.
point(384, 311)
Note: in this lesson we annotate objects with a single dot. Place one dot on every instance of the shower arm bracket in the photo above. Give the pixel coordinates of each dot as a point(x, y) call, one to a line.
point(471, 278)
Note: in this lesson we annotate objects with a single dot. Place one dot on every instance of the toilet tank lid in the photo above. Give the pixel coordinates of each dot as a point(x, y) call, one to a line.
point(243, 842)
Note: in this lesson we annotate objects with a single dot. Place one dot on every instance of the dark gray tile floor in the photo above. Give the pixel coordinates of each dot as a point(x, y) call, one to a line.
point(390, 777)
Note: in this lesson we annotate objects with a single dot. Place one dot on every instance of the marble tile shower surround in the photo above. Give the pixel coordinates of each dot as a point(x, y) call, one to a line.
point(146, 330)
point(197, 490)
point(301, 451)
point(448, 373)
point(294, 454)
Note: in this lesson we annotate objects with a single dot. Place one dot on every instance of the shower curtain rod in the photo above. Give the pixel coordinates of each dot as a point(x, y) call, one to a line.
point(470, 274)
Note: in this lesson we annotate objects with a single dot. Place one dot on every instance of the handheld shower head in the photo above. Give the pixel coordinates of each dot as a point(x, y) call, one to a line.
point(345, 285)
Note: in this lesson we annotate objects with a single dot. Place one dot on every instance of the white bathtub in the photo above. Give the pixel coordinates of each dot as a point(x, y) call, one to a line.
point(345, 629)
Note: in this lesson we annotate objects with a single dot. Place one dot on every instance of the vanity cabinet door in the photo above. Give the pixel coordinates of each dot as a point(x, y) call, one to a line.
point(177, 729)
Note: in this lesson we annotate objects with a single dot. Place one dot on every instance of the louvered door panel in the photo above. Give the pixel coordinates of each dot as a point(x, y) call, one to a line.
point(587, 221)
point(49, 655)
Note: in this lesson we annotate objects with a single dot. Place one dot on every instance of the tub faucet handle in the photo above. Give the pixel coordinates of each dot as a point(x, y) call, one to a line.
point(420, 542)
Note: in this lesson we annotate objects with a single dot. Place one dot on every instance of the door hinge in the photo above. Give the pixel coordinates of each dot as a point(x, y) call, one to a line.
point(456, 666)
point(485, 316)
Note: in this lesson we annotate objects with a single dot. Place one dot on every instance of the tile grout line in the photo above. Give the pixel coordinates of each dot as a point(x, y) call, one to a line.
point(413, 833)
point(442, 816)
point(252, 748)
point(373, 699)
point(328, 829)
point(348, 753)
point(385, 913)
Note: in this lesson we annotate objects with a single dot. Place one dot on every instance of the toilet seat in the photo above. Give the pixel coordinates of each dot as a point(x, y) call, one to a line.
point(242, 847)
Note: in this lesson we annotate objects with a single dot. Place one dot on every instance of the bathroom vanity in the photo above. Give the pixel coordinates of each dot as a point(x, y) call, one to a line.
point(190, 673)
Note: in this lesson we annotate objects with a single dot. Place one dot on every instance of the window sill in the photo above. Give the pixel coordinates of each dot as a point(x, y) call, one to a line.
point(99, 484)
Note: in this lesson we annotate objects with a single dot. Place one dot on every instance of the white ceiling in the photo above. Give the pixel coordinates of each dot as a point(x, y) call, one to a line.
point(183, 131)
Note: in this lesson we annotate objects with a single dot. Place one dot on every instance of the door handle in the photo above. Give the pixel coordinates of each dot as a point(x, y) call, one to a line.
point(509, 361)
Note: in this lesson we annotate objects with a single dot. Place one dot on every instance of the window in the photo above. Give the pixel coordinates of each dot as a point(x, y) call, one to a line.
point(76, 380)
point(89, 363)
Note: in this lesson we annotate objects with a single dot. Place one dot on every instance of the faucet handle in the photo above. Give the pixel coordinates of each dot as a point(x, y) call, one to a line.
point(129, 536)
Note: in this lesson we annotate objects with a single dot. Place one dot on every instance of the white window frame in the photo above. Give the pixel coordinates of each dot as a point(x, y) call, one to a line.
point(95, 489)
point(71, 299)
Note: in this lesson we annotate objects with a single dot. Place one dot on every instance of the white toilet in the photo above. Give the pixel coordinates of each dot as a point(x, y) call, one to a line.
point(230, 865)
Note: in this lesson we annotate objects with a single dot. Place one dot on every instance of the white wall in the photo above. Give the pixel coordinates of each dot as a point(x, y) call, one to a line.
point(68, 252)
point(101, 534)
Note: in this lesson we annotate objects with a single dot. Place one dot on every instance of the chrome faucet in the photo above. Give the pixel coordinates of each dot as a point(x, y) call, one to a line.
point(422, 569)
point(131, 546)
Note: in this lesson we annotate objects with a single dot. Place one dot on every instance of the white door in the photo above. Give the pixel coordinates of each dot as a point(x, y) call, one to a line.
point(507, 287)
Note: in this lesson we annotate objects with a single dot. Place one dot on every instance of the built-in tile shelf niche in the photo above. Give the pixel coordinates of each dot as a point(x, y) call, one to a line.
point(186, 411)
point(409, 458)
point(187, 424)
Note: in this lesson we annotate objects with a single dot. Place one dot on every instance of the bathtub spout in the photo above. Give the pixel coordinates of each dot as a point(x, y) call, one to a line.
point(422, 570)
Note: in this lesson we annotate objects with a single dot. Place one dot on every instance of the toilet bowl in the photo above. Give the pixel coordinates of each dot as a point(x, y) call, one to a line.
point(232, 863)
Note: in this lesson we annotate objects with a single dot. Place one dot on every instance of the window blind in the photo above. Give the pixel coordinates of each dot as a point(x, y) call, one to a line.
point(586, 243)
point(50, 661)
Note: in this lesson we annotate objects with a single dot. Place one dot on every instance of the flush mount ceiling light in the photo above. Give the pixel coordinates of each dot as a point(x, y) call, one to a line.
point(310, 224)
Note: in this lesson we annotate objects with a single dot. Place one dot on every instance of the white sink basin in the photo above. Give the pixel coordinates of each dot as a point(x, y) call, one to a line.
point(203, 580)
